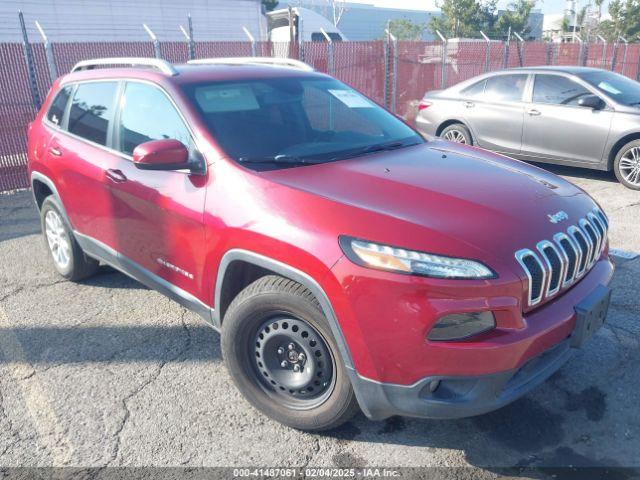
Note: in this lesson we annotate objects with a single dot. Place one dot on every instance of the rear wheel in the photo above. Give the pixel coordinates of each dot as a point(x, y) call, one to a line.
point(68, 258)
point(282, 357)
point(626, 165)
point(457, 133)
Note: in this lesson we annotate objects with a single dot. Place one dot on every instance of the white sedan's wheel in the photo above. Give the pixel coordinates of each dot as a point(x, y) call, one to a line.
point(457, 133)
point(455, 136)
point(630, 166)
point(627, 165)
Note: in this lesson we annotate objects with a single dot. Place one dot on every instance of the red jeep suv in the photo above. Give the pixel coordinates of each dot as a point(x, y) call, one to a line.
point(347, 262)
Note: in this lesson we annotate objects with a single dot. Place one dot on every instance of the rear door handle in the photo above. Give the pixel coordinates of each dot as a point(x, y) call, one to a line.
point(533, 112)
point(115, 175)
point(55, 151)
point(469, 104)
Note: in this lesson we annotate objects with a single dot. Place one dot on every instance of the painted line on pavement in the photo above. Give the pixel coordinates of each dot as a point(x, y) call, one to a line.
point(34, 394)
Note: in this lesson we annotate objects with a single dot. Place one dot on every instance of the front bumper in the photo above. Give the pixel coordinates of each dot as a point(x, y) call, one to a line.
point(449, 395)
point(458, 397)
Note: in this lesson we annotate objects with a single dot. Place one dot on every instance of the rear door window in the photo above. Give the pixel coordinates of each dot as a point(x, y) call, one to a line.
point(56, 111)
point(505, 88)
point(557, 90)
point(148, 114)
point(92, 111)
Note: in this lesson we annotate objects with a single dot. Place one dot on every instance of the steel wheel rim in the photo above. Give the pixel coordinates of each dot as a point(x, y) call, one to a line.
point(455, 136)
point(629, 166)
point(57, 239)
point(292, 363)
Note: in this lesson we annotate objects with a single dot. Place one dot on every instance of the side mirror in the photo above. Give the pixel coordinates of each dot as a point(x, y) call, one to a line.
point(161, 155)
point(592, 101)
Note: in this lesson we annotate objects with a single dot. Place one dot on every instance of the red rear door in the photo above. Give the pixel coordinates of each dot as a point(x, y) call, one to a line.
point(80, 161)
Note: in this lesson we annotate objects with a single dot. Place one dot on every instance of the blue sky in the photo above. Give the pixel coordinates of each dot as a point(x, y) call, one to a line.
point(547, 6)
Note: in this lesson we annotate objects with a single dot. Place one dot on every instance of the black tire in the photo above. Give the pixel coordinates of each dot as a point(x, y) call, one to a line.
point(624, 167)
point(276, 300)
point(457, 130)
point(79, 265)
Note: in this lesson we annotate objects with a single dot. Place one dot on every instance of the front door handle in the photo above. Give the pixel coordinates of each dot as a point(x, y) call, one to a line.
point(115, 175)
point(533, 112)
point(55, 151)
point(469, 104)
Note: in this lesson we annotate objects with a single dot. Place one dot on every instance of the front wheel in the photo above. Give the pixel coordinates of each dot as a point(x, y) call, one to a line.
point(281, 355)
point(626, 165)
point(457, 133)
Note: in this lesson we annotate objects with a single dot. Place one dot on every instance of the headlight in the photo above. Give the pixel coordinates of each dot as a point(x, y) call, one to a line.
point(384, 257)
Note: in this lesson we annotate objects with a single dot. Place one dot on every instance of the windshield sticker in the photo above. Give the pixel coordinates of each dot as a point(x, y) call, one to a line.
point(226, 99)
point(351, 99)
point(609, 88)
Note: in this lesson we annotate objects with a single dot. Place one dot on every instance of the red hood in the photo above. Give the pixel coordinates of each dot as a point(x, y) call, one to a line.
point(486, 201)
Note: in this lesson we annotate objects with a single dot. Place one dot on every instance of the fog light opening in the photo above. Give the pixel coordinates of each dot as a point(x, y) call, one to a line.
point(460, 326)
point(433, 385)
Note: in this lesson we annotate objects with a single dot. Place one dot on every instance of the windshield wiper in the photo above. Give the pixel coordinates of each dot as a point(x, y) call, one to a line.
point(380, 147)
point(279, 159)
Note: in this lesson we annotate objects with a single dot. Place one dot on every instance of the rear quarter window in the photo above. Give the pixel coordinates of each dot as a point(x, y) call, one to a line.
point(58, 106)
point(475, 90)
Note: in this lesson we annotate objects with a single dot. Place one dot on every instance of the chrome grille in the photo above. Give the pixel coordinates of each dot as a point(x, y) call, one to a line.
point(558, 263)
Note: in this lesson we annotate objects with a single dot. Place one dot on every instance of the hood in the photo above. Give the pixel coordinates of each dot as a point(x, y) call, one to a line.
point(481, 199)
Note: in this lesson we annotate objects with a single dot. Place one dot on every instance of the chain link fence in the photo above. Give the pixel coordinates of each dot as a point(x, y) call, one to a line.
point(396, 74)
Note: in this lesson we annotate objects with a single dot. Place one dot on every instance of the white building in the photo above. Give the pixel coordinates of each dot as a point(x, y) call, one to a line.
point(121, 20)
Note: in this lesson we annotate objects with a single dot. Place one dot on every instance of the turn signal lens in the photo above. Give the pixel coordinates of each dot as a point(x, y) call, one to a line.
point(459, 326)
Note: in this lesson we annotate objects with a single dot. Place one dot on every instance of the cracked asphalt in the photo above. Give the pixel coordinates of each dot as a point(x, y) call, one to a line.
point(108, 373)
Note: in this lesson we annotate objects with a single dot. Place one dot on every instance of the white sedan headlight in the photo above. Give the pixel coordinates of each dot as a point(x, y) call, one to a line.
point(384, 257)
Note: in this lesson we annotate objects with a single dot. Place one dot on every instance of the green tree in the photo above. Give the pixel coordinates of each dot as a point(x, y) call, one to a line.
point(464, 18)
point(459, 18)
point(269, 4)
point(404, 29)
point(625, 20)
point(516, 18)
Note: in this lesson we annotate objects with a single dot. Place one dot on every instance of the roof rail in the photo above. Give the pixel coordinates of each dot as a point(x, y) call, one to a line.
point(275, 61)
point(157, 63)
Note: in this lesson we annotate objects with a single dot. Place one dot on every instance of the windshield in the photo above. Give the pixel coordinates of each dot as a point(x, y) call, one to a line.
point(294, 121)
point(620, 88)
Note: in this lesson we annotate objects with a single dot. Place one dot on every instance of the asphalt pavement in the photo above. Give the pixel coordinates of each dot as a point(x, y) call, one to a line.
point(108, 373)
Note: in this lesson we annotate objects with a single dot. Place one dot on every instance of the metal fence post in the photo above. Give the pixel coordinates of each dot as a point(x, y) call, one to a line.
point(614, 58)
point(487, 55)
point(189, 36)
point(192, 42)
point(549, 52)
point(443, 61)
point(154, 39)
point(506, 48)
point(254, 52)
point(584, 52)
point(394, 74)
point(387, 70)
point(190, 46)
point(624, 54)
point(604, 50)
point(579, 59)
point(48, 53)
point(28, 57)
point(520, 49)
point(330, 64)
point(301, 55)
